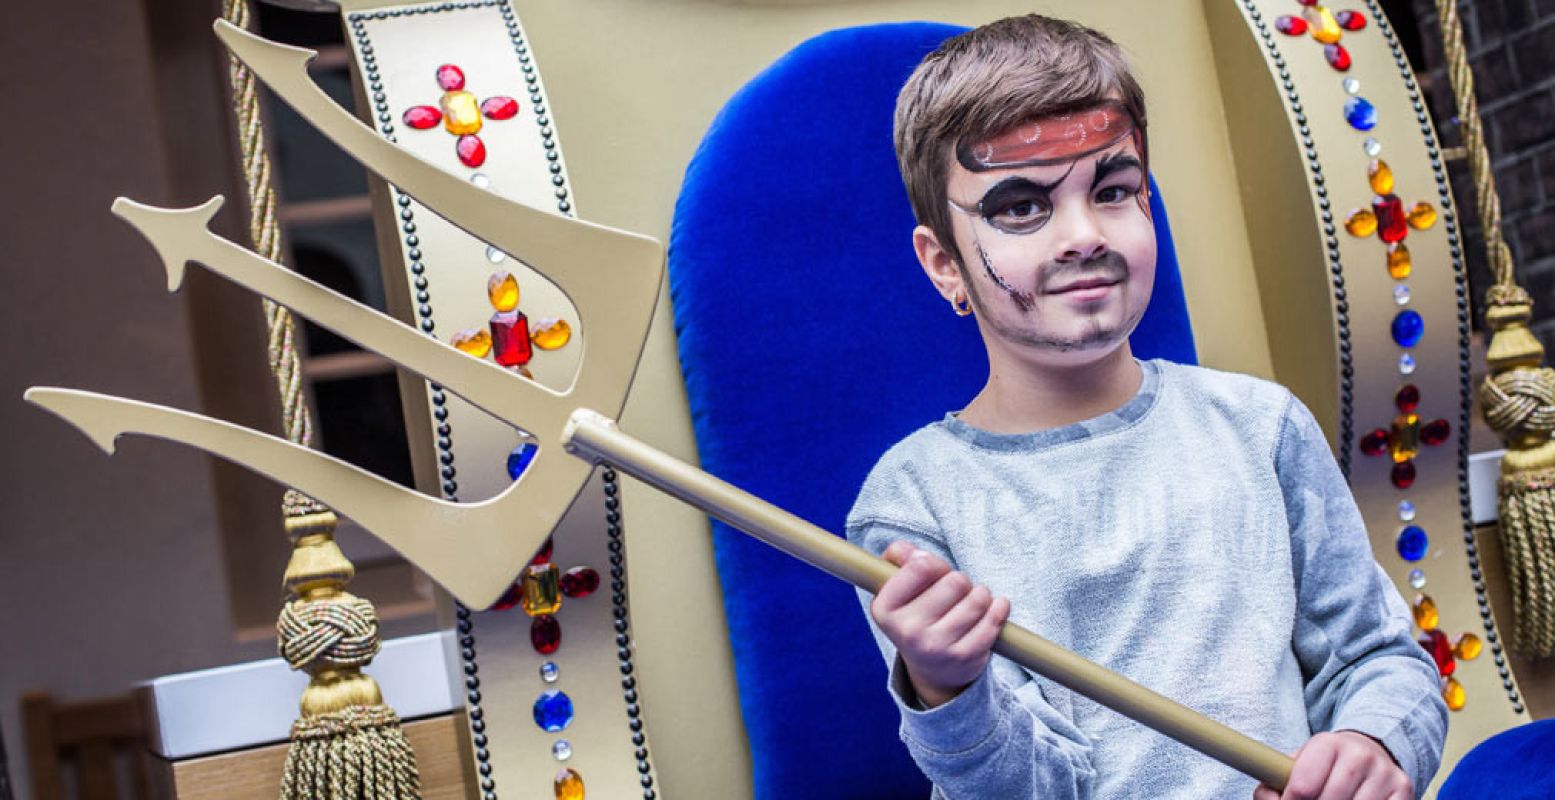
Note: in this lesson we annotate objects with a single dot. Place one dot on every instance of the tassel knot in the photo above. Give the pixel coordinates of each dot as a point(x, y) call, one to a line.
point(1520, 403)
point(329, 633)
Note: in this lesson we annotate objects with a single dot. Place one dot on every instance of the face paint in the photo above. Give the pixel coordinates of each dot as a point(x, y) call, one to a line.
point(1050, 140)
point(1025, 301)
point(1062, 296)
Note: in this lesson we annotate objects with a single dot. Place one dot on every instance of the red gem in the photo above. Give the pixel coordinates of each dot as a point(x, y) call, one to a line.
point(510, 338)
point(1307, 2)
point(544, 556)
point(545, 633)
point(1351, 20)
point(1290, 26)
point(1392, 225)
point(1404, 474)
point(422, 117)
point(499, 107)
point(508, 599)
point(1375, 443)
point(450, 77)
point(1435, 642)
point(1338, 57)
point(472, 151)
point(579, 582)
point(1408, 398)
point(1435, 432)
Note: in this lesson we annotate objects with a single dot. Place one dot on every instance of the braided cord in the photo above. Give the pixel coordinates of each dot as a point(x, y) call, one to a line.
point(1486, 200)
point(265, 234)
point(1519, 395)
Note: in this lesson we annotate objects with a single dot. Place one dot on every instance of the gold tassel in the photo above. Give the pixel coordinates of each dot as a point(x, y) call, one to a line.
point(1519, 402)
point(1519, 395)
point(346, 744)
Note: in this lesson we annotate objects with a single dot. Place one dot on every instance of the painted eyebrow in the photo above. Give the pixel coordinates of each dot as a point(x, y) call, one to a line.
point(1017, 186)
point(1113, 162)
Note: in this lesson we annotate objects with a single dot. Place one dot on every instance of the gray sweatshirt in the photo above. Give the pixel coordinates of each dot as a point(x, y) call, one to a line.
point(1200, 540)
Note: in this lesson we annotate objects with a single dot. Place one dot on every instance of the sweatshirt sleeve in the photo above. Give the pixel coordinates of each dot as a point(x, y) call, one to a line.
point(1363, 670)
point(999, 737)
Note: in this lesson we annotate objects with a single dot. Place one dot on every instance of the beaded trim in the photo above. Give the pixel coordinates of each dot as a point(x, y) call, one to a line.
point(1465, 382)
point(424, 313)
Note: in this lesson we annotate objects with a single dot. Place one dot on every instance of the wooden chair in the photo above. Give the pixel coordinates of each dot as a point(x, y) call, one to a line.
point(89, 740)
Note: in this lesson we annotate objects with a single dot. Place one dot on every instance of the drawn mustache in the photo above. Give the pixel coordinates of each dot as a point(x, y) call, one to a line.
point(1109, 267)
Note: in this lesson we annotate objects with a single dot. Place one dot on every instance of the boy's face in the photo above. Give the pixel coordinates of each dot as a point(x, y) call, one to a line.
point(1059, 253)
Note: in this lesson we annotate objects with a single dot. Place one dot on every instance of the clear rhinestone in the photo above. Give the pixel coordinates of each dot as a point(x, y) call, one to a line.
point(1417, 578)
point(549, 672)
point(1352, 86)
point(1401, 294)
point(1406, 510)
point(1373, 147)
point(494, 255)
point(562, 749)
point(1406, 364)
point(480, 179)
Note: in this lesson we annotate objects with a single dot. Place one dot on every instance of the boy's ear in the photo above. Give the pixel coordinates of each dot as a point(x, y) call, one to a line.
point(937, 262)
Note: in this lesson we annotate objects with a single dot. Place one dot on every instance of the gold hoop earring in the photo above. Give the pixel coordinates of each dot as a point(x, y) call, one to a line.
point(961, 304)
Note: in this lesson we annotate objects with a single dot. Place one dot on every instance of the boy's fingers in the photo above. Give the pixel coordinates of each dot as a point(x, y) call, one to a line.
point(934, 602)
point(920, 570)
point(898, 552)
point(962, 616)
point(1344, 778)
point(1265, 793)
point(1309, 773)
point(981, 637)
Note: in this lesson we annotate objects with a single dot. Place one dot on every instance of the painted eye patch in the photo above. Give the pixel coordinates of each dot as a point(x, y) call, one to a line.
point(1017, 205)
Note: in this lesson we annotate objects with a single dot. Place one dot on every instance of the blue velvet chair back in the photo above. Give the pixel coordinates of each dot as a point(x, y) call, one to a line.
point(811, 342)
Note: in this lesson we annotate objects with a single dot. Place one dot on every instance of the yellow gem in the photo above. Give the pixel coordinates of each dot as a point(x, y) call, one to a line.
point(1405, 444)
point(1425, 612)
point(461, 114)
point(502, 290)
point(542, 590)
point(1422, 216)
point(475, 342)
point(1452, 692)
point(1467, 648)
point(569, 785)
point(1381, 176)
point(1361, 222)
point(1324, 27)
point(1399, 262)
point(551, 333)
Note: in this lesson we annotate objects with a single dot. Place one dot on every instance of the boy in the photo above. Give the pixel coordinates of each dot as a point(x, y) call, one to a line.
point(1185, 527)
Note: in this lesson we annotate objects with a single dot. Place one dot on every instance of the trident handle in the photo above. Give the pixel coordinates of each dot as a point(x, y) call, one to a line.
point(594, 437)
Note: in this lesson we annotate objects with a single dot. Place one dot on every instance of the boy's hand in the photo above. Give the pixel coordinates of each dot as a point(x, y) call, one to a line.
point(943, 627)
point(1343, 764)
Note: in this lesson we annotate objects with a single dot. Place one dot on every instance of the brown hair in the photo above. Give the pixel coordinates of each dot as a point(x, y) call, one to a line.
point(989, 79)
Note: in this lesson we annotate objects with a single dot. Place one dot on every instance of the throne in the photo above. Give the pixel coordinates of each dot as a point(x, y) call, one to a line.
point(786, 377)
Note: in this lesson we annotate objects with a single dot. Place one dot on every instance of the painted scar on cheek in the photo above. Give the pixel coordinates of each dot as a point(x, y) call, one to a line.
point(1025, 301)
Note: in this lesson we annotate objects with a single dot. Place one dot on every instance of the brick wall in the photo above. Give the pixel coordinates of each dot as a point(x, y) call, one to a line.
point(1511, 45)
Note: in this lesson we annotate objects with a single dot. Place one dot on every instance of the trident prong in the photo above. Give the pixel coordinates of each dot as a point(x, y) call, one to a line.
point(474, 550)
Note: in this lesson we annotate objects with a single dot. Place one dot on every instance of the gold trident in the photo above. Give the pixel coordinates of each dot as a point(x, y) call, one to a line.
point(475, 549)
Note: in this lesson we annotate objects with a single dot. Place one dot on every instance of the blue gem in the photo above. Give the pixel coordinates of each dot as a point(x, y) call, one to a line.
point(1412, 544)
point(553, 711)
point(1408, 327)
point(1360, 113)
point(519, 459)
